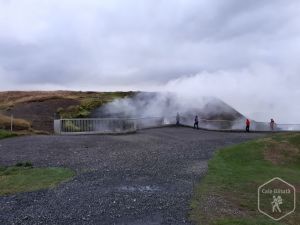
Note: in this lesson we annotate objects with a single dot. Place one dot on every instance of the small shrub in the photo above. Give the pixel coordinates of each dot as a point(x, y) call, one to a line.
point(60, 109)
point(19, 164)
point(24, 164)
point(28, 164)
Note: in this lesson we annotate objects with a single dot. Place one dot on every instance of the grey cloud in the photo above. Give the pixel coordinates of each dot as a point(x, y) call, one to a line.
point(131, 44)
point(157, 37)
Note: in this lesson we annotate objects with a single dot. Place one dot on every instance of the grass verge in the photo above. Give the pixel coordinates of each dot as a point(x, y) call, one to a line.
point(18, 124)
point(25, 178)
point(6, 134)
point(90, 101)
point(228, 193)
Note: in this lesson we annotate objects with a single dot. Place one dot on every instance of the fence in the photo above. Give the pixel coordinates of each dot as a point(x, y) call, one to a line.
point(260, 126)
point(239, 125)
point(127, 125)
point(107, 125)
point(93, 126)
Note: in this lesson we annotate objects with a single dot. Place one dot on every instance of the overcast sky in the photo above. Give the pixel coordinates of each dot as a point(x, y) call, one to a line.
point(155, 44)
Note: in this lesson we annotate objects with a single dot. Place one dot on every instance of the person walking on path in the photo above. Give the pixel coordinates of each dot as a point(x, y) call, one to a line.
point(247, 125)
point(272, 124)
point(177, 119)
point(196, 123)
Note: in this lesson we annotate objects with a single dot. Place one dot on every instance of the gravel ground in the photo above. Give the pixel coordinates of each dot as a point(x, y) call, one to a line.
point(145, 178)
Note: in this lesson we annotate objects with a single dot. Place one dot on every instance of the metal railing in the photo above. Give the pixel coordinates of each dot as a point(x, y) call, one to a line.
point(127, 125)
point(239, 125)
point(219, 124)
point(107, 125)
point(94, 126)
point(151, 122)
point(261, 126)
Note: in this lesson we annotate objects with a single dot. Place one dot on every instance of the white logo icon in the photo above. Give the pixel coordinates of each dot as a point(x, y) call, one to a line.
point(276, 198)
point(275, 204)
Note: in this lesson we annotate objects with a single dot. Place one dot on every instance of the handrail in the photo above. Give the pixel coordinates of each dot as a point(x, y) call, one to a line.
point(125, 125)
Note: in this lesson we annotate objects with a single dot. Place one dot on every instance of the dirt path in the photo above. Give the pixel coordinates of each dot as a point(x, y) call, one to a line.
point(144, 178)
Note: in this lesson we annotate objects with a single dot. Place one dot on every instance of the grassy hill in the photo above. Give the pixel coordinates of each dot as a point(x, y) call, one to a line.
point(35, 110)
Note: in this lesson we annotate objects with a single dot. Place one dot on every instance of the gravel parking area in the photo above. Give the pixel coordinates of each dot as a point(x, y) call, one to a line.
point(145, 178)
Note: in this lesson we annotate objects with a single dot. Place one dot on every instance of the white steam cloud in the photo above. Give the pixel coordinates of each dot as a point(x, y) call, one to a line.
point(157, 108)
point(259, 92)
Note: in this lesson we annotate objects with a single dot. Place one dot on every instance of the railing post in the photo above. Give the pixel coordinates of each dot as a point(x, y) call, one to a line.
point(11, 122)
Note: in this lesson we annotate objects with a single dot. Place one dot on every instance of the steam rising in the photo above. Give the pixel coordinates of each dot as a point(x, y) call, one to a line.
point(260, 92)
point(166, 106)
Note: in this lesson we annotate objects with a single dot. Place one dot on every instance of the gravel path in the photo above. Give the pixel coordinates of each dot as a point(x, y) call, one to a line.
point(145, 178)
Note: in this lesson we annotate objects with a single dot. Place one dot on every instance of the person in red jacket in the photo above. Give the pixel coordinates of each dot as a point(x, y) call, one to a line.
point(247, 125)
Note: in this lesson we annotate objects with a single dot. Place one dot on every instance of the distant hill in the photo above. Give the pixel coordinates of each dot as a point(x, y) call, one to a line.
point(35, 110)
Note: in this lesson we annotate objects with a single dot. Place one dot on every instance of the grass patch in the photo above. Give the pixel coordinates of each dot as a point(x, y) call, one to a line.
point(234, 175)
point(245, 222)
point(18, 124)
point(24, 178)
point(6, 134)
point(90, 101)
point(87, 100)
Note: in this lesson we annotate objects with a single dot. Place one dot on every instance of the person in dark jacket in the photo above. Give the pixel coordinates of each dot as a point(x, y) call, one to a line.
point(247, 125)
point(272, 124)
point(196, 123)
point(177, 119)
